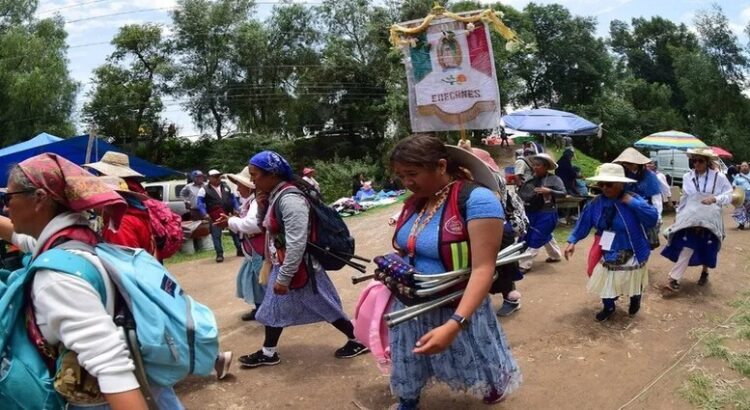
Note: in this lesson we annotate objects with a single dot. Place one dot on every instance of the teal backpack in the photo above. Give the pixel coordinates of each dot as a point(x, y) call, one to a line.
point(26, 380)
point(170, 336)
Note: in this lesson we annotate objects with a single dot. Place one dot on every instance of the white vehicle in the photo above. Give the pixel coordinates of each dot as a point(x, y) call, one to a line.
point(169, 193)
point(674, 164)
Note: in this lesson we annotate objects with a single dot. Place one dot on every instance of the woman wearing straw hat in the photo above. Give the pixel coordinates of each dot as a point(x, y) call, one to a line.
point(695, 238)
point(462, 347)
point(620, 219)
point(539, 194)
point(646, 183)
point(252, 242)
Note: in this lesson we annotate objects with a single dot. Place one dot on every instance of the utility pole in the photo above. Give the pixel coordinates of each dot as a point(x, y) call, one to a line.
point(90, 145)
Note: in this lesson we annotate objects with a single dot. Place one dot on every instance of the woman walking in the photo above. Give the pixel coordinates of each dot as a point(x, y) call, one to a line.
point(461, 346)
point(620, 219)
point(252, 241)
point(302, 292)
point(695, 238)
point(539, 195)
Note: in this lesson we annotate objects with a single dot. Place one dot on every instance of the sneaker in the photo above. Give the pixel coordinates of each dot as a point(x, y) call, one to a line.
point(741, 227)
point(703, 279)
point(604, 315)
point(673, 285)
point(508, 308)
point(223, 361)
point(493, 397)
point(249, 316)
point(219, 259)
point(259, 359)
point(351, 349)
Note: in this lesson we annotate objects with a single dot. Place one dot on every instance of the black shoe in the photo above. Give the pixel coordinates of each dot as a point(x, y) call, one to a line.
point(604, 314)
point(239, 253)
point(249, 316)
point(635, 306)
point(741, 227)
point(351, 349)
point(259, 359)
point(219, 259)
point(703, 279)
point(674, 285)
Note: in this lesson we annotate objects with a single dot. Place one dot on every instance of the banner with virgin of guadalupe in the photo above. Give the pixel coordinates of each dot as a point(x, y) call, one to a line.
point(451, 75)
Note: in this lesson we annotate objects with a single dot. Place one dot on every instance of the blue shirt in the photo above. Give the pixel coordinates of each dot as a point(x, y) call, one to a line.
point(482, 204)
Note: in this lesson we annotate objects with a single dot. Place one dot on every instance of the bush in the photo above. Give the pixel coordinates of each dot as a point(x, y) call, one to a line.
point(335, 176)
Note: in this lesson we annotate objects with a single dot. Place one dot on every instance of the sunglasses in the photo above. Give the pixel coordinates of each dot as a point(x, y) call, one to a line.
point(8, 195)
point(605, 184)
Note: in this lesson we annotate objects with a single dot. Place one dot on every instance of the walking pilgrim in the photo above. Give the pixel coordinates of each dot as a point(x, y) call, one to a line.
point(695, 238)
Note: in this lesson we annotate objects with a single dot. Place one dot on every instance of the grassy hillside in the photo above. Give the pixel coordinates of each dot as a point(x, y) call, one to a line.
point(587, 164)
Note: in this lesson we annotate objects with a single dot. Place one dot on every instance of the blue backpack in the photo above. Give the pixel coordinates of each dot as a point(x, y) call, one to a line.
point(170, 336)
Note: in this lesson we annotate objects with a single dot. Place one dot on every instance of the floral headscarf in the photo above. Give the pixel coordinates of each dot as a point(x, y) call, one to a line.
point(72, 186)
point(273, 163)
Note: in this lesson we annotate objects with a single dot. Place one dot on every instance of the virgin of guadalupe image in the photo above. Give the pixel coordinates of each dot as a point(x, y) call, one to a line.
point(449, 52)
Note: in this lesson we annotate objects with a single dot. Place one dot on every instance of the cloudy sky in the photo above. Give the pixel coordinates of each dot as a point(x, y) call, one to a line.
point(91, 24)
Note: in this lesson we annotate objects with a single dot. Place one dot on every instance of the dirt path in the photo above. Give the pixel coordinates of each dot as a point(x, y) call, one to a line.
point(568, 360)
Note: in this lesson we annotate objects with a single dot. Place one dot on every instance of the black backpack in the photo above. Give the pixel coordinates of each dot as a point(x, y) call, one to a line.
point(329, 241)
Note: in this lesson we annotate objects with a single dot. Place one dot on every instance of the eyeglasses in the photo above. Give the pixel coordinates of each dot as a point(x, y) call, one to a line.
point(8, 195)
point(605, 184)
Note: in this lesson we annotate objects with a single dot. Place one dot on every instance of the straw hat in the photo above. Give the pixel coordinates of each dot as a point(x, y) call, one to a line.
point(703, 152)
point(609, 172)
point(551, 164)
point(119, 185)
point(479, 170)
point(114, 164)
point(632, 156)
point(243, 178)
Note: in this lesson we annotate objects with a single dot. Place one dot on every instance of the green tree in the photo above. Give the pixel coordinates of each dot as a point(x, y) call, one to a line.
point(36, 91)
point(720, 42)
point(569, 65)
point(205, 34)
point(126, 101)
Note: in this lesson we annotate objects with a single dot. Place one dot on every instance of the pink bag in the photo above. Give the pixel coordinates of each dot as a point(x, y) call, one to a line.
point(369, 326)
point(595, 255)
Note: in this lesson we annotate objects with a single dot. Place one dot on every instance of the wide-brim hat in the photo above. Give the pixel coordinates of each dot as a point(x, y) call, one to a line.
point(703, 152)
point(242, 178)
point(479, 170)
point(119, 185)
point(307, 171)
point(610, 172)
point(551, 163)
point(486, 158)
point(632, 156)
point(114, 164)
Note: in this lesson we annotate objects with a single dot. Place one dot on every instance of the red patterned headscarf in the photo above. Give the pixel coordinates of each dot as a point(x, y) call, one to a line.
point(72, 186)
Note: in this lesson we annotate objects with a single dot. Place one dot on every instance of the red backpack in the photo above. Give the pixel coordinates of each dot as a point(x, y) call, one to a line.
point(166, 227)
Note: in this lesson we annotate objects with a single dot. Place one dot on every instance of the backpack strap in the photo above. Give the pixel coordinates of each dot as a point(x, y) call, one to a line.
point(60, 260)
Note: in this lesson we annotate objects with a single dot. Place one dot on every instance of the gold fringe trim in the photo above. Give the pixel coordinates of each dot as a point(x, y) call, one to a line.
point(460, 118)
point(489, 16)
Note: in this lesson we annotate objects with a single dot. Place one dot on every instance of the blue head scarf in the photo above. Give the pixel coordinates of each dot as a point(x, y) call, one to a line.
point(273, 163)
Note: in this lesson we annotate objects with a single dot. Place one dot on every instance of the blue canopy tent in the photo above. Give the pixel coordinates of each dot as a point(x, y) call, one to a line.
point(548, 121)
point(39, 140)
point(74, 149)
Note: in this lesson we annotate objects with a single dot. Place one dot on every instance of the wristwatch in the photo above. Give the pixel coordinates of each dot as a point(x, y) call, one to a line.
point(462, 321)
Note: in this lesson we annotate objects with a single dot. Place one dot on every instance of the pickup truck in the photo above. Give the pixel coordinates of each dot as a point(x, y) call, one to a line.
point(169, 193)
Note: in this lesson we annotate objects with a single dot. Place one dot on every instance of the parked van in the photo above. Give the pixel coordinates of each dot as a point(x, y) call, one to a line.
point(674, 164)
